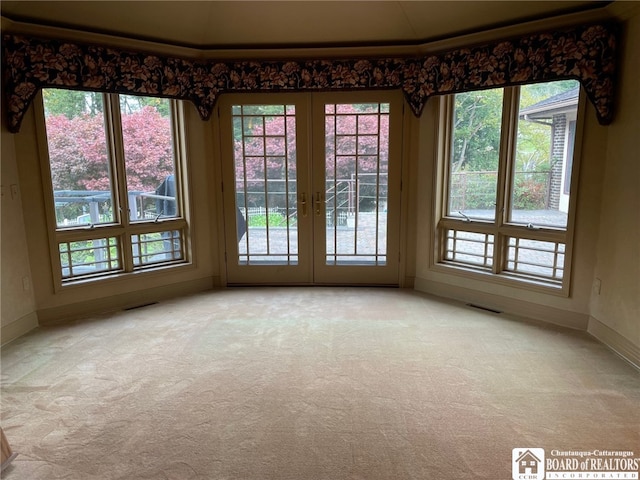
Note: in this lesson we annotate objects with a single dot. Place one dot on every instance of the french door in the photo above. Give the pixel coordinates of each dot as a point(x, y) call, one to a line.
point(311, 187)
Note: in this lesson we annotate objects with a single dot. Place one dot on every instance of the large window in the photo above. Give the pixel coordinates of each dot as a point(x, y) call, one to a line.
point(115, 163)
point(505, 171)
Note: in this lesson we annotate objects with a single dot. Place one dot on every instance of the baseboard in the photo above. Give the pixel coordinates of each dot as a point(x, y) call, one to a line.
point(64, 313)
point(18, 327)
point(616, 342)
point(511, 306)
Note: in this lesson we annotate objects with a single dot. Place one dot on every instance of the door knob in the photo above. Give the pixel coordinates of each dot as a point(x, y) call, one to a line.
point(303, 203)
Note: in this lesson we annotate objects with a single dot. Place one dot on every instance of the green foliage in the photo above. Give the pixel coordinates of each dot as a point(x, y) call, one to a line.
point(130, 104)
point(476, 143)
point(534, 141)
point(477, 124)
point(533, 150)
point(84, 252)
point(476, 127)
point(530, 192)
point(536, 92)
point(274, 220)
point(71, 103)
point(477, 191)
point(473, 191)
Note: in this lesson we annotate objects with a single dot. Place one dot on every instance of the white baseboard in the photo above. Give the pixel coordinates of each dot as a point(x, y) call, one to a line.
point(19, 327)
point(61, 314)
point(510, 306)
point(616, 342)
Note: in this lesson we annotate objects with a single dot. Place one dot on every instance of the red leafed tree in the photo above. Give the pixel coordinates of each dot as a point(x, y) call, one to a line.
point(360, 137)
point(356, 143)
point(78, 152)
point(148, 150)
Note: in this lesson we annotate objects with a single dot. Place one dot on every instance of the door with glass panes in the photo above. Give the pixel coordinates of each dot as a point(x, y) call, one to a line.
point(311, 187)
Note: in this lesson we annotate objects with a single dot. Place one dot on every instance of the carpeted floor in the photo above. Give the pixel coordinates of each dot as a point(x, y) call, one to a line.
point(307, 383)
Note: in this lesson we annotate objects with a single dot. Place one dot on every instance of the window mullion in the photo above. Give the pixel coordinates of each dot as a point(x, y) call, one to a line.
point(177, 143)
point(116, 147)
point(505, 170)
point(447, 112)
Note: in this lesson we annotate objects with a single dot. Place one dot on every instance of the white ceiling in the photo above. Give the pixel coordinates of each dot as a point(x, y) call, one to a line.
point(229, 24)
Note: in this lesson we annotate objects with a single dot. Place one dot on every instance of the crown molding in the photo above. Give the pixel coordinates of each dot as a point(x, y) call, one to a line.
point(617, 10)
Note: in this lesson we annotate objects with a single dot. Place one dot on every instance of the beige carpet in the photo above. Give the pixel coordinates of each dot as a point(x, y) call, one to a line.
point(307, 383)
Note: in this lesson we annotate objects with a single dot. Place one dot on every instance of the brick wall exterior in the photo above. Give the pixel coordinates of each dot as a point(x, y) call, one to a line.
point(557, 157)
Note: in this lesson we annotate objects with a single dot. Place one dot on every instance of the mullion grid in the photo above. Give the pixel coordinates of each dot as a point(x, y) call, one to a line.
point(262, 118)
point(457, 248)
point(334, 114)
point(245, 185)
point(531, 267)
point(357, 155)
point(103, 248)
point(266, 185)
point(504, 254)
point(144, 258)
point(377, 134)
point(286, 181)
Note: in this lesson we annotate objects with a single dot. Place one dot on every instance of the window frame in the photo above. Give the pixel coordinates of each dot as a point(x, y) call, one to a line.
point(122, 228)
point(501, 228)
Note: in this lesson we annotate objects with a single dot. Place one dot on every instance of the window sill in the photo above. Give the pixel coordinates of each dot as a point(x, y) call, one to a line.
point(507, 279)
point(120, 277)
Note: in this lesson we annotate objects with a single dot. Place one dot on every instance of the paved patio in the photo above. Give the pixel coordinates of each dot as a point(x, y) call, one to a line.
point(355, 241)
point(358, 242)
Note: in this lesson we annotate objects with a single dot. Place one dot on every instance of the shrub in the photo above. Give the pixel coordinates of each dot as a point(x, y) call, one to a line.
point(529, 194)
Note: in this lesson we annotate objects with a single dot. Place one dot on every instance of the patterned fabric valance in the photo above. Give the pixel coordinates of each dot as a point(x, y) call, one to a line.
point(585, 53)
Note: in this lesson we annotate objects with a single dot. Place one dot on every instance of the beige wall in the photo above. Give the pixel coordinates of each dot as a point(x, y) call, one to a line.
point(618, 250)
point(135, 289)
point(607, 232)
point(607, 229)
point(570, 311)
point(17, 305)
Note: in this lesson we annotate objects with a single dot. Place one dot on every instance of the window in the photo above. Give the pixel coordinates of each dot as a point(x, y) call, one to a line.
point(115, 163)
point(506, 163)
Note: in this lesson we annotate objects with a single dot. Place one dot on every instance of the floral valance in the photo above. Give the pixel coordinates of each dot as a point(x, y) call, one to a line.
point(585, 53)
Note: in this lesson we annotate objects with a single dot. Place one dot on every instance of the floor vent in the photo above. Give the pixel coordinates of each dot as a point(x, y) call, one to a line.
point(486, 309)
point(140, 306)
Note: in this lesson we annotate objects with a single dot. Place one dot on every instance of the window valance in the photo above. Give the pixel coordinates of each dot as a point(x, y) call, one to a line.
point(585, 53)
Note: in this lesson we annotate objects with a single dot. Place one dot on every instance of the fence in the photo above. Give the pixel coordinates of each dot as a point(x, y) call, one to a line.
point(90, 207)
point(343, 197)
point(477, 190)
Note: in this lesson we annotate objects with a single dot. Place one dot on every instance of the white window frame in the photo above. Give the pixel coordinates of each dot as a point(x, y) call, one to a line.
point(500, 228)
point(121, 228)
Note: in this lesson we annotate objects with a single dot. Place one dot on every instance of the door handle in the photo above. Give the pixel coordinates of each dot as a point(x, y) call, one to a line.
point(303, 203)
point(318, 204)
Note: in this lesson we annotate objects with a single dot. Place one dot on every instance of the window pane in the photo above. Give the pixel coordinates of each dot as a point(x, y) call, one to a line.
point(544, 153)
point(78, 158)
point(149, 157)
point(356, 183)
point(265, 184)
point(536, 258)
point(469, 248)
point(156, 247)
point(88, 257)
point(475, 148)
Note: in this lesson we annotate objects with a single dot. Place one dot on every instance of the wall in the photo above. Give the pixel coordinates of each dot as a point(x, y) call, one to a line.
point(17, 302)
point(605, 290)
point(109, 294)
point(570, 311)
point(605, 246)
point(615, 308)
